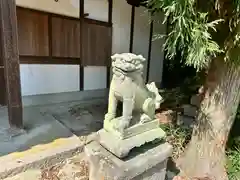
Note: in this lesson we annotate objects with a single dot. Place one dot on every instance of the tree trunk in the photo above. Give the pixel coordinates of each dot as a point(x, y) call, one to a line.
point(205, 154)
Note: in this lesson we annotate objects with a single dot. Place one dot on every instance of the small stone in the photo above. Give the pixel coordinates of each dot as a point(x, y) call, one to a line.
point(166, 117)
point(185, 120)
point(189, 110)
point(179, 178)
point(196, 100)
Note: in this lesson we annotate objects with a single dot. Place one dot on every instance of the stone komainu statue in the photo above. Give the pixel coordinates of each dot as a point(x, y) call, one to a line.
point(128, 86)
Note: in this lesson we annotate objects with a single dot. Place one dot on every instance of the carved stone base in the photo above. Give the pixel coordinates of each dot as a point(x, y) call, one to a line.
point(121, 147)
point(145, 163)
point(133, 130)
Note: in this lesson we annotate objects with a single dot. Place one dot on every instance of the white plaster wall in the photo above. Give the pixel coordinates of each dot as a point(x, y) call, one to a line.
point(95, 77)
point(121, 26)
point(44, 79)
point(141, 43)
point(141, 34)
point(97, 9)
point(157, 53)
point(65, 7)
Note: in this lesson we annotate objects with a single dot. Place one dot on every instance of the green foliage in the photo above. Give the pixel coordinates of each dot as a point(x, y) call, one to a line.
point(233, 164)
point(178, 137)
point(233, 150)
point(189, 31)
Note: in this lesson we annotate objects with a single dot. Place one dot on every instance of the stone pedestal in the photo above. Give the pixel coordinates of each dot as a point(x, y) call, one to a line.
point(130, 147)
point(147, 162)
point(121, 147)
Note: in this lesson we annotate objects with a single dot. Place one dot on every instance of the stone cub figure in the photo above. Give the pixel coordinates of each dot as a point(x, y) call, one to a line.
point(128, 86)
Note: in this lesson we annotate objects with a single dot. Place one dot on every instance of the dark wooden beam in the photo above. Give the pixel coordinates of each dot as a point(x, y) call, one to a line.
point(132, 29)
point(110, 9)
point(136, 3)
point(48, 60)
point(10, 56)
point(149, 51)
point(97, 22)
point(81, 67)
point(3, 87)
point(50, 44)
point(52, 14)
point(2, 81)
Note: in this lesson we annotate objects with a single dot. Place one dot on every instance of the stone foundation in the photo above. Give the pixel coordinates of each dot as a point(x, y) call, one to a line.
point(147, 162)
point(121, 148)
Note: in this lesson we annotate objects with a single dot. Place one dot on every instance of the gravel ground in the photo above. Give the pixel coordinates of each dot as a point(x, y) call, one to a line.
point(75, 168)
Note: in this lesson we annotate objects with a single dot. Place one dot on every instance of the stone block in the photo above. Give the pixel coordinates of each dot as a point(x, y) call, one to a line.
point(121, 147)
point(195, 100)
point(131, 131)
point(166, 117)
point(189, 110)
point(185, 120)
point(147, 162)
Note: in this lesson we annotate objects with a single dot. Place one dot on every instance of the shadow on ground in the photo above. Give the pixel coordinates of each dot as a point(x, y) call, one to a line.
point(81, 119)
point(51, 123)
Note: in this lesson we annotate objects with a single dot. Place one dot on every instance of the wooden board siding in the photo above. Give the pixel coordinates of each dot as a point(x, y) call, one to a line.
point(32, 33)
point(65, 37)
point(46, 38)
point(97, 44)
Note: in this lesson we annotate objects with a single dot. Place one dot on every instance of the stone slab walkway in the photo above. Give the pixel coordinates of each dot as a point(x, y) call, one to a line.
point(52, 133)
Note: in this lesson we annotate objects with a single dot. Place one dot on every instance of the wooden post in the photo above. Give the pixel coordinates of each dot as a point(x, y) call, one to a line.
point(132, 29)
point(10, 58)
point(81, 69)
point(149, 51)
point(110, 9)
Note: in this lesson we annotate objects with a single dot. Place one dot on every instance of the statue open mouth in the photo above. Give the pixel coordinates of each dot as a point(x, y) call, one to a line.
point(124, 71)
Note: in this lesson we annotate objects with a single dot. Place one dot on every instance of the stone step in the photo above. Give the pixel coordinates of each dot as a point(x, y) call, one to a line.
point(195, 100)
point(147, 163)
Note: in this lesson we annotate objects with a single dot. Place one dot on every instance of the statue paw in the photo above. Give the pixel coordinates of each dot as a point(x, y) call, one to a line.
point(109, 117)
point(145, 118)
point(121, 125)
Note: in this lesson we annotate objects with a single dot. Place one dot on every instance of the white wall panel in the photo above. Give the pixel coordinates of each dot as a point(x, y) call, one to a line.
point(141, 34)
point(157, 54)
point(121, 26)
point(97, 9)
point(44, 79)
point(65, 7)
point(95, 77)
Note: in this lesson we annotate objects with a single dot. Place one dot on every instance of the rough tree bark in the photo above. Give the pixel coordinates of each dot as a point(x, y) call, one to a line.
point(205, 154)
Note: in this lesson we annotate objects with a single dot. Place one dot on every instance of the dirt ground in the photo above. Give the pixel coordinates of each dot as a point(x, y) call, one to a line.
point(75, 168)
